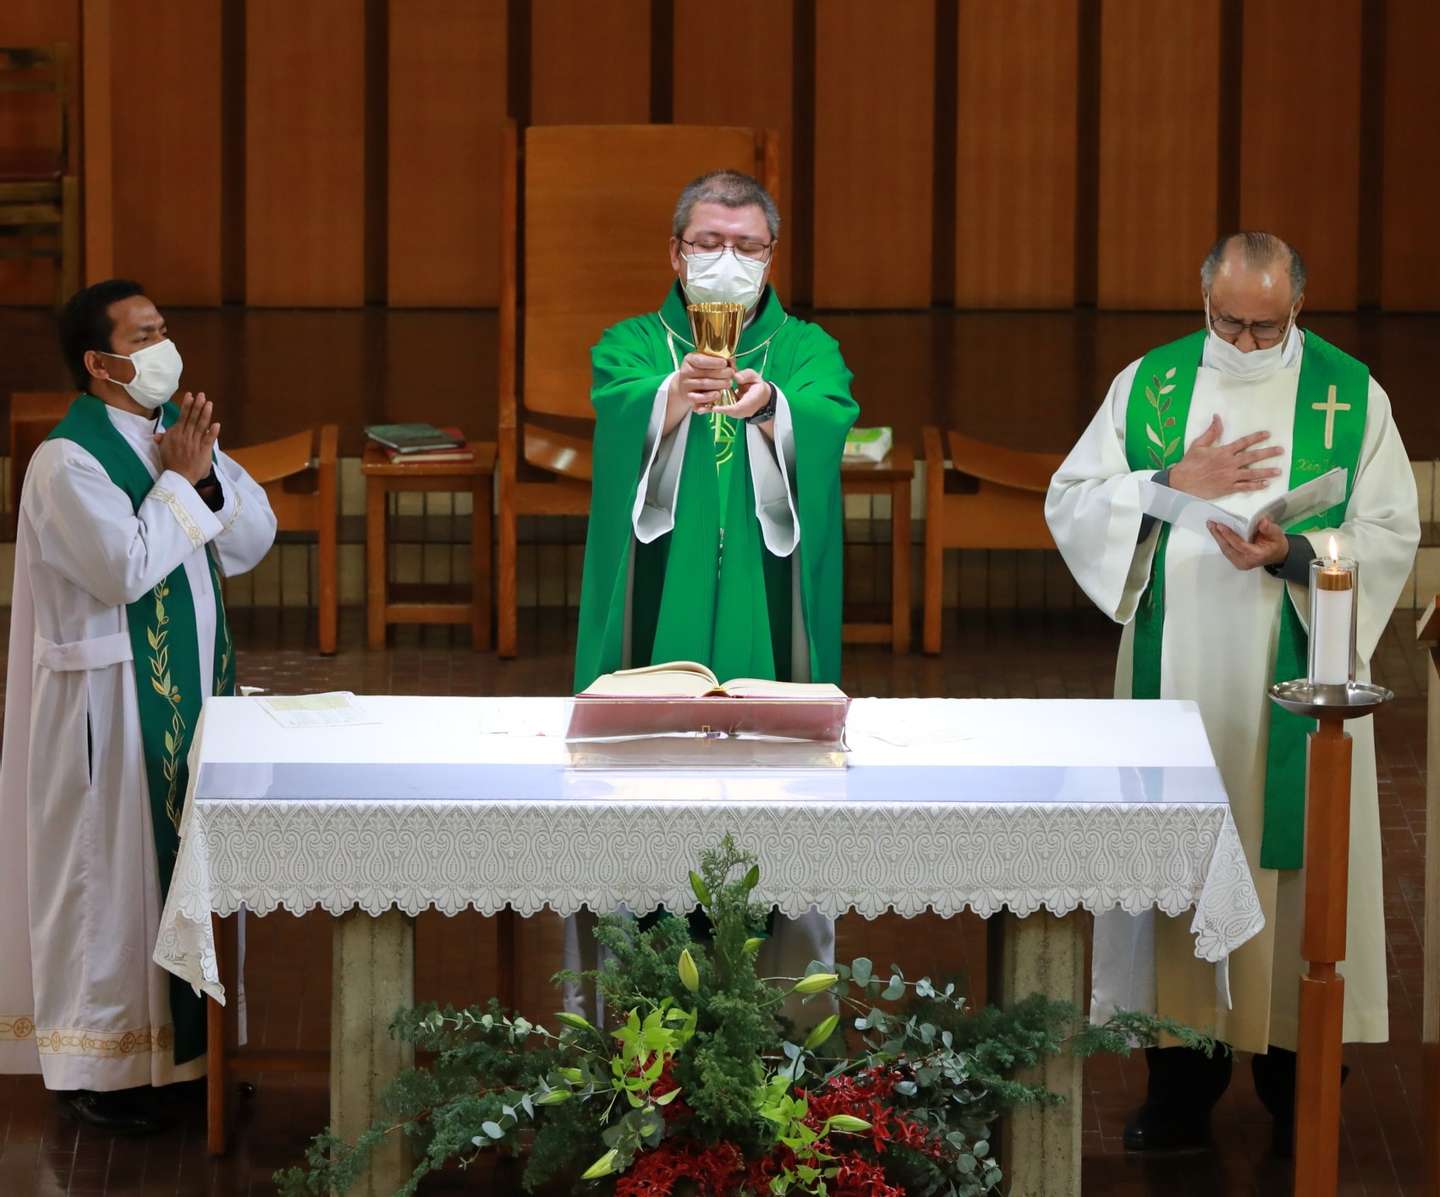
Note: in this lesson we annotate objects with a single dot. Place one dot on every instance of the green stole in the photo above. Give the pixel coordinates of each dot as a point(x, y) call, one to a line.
point(167, 684)
point(1155, 419)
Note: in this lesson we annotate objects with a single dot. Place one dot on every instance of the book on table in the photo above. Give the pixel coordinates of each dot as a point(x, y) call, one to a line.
point(409, 439)
point(868, 444)
point(679, 697)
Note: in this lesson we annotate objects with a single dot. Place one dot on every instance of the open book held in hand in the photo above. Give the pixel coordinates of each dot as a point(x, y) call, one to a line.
point(1186, 511)
point(680, 697)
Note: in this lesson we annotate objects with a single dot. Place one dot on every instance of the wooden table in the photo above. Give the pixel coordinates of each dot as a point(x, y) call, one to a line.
point(384, 477)
point(892, 477)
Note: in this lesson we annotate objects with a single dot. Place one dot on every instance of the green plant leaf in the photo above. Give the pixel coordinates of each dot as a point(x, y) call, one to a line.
point(697, 887)
point(861, 970)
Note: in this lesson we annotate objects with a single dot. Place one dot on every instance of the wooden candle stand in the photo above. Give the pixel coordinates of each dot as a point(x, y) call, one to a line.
point(1322, 944)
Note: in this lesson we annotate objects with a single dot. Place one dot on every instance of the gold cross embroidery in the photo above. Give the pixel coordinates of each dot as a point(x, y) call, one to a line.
point(1330, 407)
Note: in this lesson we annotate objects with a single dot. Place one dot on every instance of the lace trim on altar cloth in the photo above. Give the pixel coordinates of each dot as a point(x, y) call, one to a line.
point(297, 855)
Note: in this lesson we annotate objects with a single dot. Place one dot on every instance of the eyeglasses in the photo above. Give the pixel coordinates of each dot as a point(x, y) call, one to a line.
point(745, 247)
point(1264, 332)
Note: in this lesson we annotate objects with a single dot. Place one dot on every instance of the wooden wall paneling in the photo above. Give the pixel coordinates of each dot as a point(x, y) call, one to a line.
point(166, 190)
point(874, 154)
point(590, 63)
point(28, 121)
point(748, 86)
point(1410, 237)
point(1300, 136)
point(1015, 154)
point(447, 86)
point(305, 153)
point(96, 180)
point(1159, 149)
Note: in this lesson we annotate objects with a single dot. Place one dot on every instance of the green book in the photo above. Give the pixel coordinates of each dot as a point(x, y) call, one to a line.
point(868, 444)
point(412, 438)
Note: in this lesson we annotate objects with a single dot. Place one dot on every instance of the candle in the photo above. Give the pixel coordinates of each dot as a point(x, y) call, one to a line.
point(1332, 620)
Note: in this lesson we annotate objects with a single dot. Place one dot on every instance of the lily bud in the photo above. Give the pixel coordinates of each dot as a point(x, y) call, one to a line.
point(689, 974)
point(815, 983)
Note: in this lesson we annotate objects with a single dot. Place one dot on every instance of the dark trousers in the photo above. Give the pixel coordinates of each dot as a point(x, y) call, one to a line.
point(1186, 1083)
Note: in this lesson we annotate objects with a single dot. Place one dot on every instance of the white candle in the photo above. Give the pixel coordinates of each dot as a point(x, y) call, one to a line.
point(1332, 601)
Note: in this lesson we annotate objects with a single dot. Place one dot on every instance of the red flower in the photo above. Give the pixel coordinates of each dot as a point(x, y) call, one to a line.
point(716, 1169)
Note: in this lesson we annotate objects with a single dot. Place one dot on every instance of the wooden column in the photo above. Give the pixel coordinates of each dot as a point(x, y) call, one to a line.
point(1322, 944)
point(1428, 632)
point(374, 977)
point(1041, 1144)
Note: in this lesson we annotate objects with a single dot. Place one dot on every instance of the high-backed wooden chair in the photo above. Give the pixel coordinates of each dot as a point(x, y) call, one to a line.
point(596, 203)
point(998, 503)
point(300, 474)
point(32, 415)
point(38, 195)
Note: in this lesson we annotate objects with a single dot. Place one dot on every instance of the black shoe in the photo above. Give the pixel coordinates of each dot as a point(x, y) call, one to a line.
point(1275, 1086)
point(1155, 1128)
point(115, 1113)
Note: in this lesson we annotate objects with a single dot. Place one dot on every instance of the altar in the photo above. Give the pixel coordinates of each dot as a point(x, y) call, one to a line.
point(1015, 806)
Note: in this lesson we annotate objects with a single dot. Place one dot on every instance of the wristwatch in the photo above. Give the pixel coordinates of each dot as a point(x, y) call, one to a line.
point(768, 411)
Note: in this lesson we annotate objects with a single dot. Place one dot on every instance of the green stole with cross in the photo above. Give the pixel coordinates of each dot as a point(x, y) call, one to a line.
point(1155, 419)
point(167, 676)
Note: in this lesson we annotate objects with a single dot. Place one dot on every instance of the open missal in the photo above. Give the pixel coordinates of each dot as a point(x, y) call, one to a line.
point(680, 697)
point(1186, 511)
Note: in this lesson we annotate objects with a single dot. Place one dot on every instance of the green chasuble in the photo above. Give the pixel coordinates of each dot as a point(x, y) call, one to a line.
point(167, 676)
point(1156, 414)
point(709, 590)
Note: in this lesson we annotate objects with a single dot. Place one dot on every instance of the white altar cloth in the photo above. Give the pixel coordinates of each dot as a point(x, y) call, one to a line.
point(939, 804)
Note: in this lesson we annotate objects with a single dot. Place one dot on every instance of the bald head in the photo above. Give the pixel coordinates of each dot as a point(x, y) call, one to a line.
point(1252, 279)
point(1262, 254)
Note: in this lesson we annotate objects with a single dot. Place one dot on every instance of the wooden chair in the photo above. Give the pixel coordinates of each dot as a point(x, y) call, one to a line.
point(1000, 504)
point(32, 415)
point(38, 195)
point(596, 204)
point(300, 474)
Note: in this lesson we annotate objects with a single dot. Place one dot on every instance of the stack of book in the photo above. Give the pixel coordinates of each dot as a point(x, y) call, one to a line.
point(420, 442)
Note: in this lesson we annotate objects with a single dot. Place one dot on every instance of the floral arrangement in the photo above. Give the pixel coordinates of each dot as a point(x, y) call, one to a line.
point(704, 1089)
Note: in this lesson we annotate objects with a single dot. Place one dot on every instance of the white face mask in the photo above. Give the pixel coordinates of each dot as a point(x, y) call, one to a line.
point(157, 374)
point(723, 276)
point(1248, 367)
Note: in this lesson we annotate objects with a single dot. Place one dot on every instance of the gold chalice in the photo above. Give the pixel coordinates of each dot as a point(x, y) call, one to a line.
point(717, 327)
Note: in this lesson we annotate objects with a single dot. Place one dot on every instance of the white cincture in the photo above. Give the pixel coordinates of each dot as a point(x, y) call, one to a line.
point(97, 653)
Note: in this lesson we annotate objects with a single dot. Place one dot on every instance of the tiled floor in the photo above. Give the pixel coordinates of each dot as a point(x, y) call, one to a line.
point(1002, 655)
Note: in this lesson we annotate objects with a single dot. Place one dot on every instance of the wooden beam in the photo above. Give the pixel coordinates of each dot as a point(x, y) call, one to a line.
point(99, 177)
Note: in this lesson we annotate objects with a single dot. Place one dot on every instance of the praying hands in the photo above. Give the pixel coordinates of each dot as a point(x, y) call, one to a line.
point(187, 445)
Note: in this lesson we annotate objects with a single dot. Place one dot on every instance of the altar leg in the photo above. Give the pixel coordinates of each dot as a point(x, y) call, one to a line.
point(1041, 1144)
point(374, 977)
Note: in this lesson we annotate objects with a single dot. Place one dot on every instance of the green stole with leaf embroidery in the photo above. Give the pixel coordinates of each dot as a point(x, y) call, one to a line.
point(1331, 382)
point(167, 676)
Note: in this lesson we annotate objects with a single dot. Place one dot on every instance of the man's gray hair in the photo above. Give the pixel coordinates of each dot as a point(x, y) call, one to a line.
point(1259, 250)
point(727, 187)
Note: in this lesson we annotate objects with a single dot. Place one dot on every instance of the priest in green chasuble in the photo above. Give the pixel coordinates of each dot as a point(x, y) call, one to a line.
point(1238, 413)
point(716, 517)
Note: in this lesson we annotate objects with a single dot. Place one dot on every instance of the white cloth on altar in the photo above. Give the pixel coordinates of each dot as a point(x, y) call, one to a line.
point(1218, 648)
point(80, 998)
